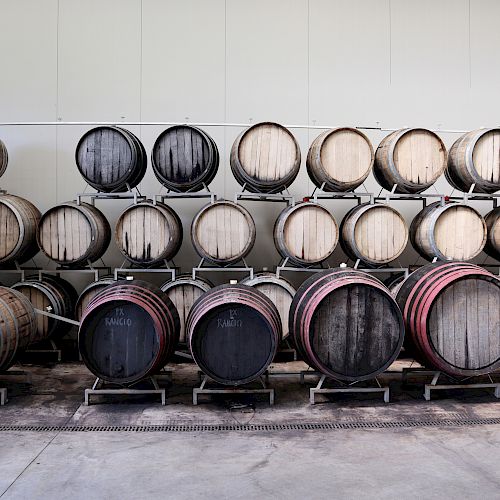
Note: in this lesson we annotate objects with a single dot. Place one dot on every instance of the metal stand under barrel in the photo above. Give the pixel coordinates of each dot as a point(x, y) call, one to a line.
point(100, 389)
point(12, 373)
point(455, 383)
point(203, 390)
point(51, 348)
point(342, 387)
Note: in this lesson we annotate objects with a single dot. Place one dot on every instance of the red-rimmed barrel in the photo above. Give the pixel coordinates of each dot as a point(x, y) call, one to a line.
point(128, 332)
point(233, 332)
point(346, 325)
point(452, 316)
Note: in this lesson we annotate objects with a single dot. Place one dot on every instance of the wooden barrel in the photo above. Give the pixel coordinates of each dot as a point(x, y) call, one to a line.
point(265, 158)
point(17, 325)
point(183, 292)
point(412, 158)
point(73, 234)
point(51, 294)
point(128, 332)
point(185, 158)
point(340, 159)
point(111, 159)
point(451, 311)
point(475, 159)
point(148, 233)
point(394, 282)
point(223, 232)
point(279, 290)
point(453, 231)
point(306, 233)
point(492, 246)
point(374, 233)
point(4, 158)
point(346, 325)
point(90, 291)
point(20, 219)
point(233, 333)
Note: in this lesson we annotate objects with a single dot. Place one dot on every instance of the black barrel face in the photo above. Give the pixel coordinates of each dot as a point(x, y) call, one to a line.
point(120, 342)
point(233, 343)
point(355, 330)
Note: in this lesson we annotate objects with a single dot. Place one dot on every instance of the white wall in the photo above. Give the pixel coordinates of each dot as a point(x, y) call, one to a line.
point(392, 63)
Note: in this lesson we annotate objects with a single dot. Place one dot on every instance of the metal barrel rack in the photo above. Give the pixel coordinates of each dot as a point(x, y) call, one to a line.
point(12, 373)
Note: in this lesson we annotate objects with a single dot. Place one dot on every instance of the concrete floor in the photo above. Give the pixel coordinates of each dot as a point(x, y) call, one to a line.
point(412, 462)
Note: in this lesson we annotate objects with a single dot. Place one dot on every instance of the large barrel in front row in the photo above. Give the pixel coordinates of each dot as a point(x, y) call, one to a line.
point(111, 159)
point(452, 316)
point(128, 332)
point(52, 294)
point(17, 326)
point(346, 325)
point(233, 333)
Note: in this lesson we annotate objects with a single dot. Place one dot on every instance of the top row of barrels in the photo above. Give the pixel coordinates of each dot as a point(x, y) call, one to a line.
point(266, 158)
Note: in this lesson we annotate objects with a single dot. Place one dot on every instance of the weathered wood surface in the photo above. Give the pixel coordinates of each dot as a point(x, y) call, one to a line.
point(89, 292)
point(223, 232)
point(492, 220)
point(4, 158)
point(411, 158)
point(72, 233)
point(185, 158)
point(183, 292)
point(233, 333)
point(149, 233)
point(265, 158)
point(306, 233)
point(452, 316)
point(346, 324)
point(451, 232)
point(475, 159)
point(128, 332)
point(340, 159)
point(374, 233)
point(111, 159)
point(19, 219)
point(17, 326)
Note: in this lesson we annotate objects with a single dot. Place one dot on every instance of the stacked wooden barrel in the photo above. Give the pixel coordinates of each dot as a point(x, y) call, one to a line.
point(51, 294)
point(17, 326)
point(223, 232)
point(20, 219)
point(265, 158)
point(452, 316)
point(73, 234)
point(183, 292)
point(148, 233)
point(185, 158)
point(474, 159)
point(111, 159)
point(492, 220)
point(448, 231)
point(412, 158)
point(340, 159)
point(305, 233)
point(279, 290)
point(374, 233)
point(233, 333)
point(4, 158)
point(346, 325)
point(90, 291)
point(128, 332)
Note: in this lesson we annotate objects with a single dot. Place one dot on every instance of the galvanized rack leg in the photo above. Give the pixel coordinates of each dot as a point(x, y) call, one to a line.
point(203, 390)
point(12, 373)
point(345, 389)
point(3, 396)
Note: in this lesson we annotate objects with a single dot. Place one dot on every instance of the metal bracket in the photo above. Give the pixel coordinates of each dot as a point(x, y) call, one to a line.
point(229, 268)
point(272, 197)
point(205, 193)
point(284, 267)
point(128, 195)
point(320, 194)
point(53, 347)
point(202, 390)
point(3, 396)
point(12, 373)
point(145, 270)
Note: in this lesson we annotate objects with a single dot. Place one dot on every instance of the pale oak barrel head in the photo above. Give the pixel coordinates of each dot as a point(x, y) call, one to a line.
point(185, 158)
point(149, 233)
point(4, 158)
point(265, 158)
point(223, 232)
point(306, 233)
point(340, 159)
point(411, 158)
point(375, 233)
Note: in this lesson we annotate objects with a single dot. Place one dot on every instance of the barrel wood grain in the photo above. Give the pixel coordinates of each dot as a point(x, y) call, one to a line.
point(4, 158)
point(492, 220)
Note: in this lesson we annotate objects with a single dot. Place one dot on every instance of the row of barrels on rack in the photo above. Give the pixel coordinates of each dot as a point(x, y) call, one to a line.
point(150, 233)
point(344, 323)
point(266, 158)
